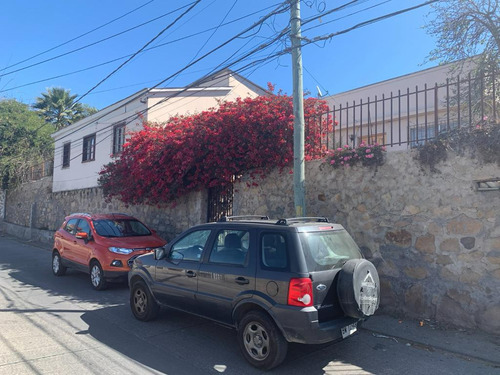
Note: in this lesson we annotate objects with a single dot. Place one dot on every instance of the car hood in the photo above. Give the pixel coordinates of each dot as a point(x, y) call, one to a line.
point(138, 242)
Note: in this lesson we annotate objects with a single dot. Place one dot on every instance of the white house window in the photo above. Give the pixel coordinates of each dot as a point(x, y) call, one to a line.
point(88, 153)
point(66, 155)
point(118, 138)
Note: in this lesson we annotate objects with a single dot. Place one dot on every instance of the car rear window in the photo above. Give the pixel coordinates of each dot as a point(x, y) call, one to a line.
point(325, 250)
point(120, 228)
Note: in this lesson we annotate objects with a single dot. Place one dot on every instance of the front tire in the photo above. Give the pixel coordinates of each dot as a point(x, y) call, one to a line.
point(57, 267)
point(260, 341)
point(143, 305)
point(97, 276)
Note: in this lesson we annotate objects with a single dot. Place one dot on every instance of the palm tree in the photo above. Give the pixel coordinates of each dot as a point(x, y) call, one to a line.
point(58, 107)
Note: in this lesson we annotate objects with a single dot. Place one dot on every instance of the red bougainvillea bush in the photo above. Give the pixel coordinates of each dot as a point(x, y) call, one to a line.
point(163, 162)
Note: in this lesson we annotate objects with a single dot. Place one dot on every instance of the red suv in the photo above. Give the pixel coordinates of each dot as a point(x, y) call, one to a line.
point(103, 245)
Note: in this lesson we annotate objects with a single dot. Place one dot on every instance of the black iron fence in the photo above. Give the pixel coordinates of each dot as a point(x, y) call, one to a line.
point(411, 117)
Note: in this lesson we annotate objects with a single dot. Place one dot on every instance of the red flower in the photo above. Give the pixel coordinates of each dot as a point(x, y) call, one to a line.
point(213, 148)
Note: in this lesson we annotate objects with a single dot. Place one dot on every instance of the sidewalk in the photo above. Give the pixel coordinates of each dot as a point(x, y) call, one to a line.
point(469, 344)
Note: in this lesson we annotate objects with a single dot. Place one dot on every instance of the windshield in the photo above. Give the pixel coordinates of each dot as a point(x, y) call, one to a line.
point(120, 228)
point(328, 249)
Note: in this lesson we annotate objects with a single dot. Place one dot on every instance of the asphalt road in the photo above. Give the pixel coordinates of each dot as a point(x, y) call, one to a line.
point(59, 325)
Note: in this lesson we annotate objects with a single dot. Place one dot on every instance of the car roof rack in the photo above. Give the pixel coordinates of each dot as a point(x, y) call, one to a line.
point(243, 217)
point(292, 220)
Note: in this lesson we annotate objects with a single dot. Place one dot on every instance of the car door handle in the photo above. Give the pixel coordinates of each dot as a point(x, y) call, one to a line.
point(241, 280)
point(190, 273)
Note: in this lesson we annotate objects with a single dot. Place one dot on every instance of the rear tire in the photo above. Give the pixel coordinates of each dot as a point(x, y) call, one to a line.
point(260, 341)
point(142, 303)
point(57, 267)
point(97, 276)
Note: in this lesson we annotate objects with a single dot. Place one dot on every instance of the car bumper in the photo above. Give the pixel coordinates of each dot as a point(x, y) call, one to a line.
point(115, 275)
point(302, 326)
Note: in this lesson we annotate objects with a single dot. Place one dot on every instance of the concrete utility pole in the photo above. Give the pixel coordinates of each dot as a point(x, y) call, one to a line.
point(299, 180)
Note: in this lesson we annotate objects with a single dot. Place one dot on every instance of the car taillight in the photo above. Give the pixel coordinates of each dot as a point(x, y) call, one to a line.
point(300, 292)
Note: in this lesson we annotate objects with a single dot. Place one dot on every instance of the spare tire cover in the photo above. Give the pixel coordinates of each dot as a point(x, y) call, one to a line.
point(358, 288)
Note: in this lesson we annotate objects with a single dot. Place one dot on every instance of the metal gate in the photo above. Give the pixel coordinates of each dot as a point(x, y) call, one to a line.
point(220, 202)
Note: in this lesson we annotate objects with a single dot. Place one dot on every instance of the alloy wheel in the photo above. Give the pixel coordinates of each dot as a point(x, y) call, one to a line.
point(95, 275)
point(256, 341)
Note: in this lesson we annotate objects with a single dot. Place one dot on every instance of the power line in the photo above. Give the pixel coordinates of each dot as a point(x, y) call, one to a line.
point(337, 9)
point(139, 51)
point(267, 58)
point(263, 19)
point(346, 16)
point(106, 137)
point(366, 23)
point(77, 37)
point(215, 30)
point(94, 43)
point(197, 82)
point(126, 56)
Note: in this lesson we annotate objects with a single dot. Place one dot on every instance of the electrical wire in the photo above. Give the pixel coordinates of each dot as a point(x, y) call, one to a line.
point(194, 84)
point(280, 53)
point(214, 31)
point(95, 43)
point(134, 97)
point(77, 37)
point(138, 52)
point(369, 22)
point(126, 56)
point(365, 23)
point(346, 16)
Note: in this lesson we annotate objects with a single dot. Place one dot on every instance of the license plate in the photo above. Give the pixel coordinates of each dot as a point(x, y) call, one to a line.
point(349, 330)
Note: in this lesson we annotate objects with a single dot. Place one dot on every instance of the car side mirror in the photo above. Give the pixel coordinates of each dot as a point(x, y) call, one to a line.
point(160, 253)
point(83, 236)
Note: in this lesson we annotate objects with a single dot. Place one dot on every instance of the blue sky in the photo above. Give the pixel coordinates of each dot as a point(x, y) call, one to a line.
point(379, 51)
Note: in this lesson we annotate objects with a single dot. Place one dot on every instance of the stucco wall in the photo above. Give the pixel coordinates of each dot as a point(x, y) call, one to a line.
point(434, 239)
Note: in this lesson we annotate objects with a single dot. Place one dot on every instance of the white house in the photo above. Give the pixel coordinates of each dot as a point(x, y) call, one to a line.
point(83, 148)
point(404, 111)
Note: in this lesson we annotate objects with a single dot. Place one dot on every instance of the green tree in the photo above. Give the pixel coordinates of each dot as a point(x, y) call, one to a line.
point(58, 107)
point(24, 141)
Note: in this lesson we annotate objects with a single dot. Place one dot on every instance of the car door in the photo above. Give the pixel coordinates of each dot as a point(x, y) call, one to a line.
point(82, 249)
point(68, 240)
point(176, 275)
point(227, 273)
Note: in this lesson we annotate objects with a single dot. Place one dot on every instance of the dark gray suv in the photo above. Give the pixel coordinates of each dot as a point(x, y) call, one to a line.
point(298, 280)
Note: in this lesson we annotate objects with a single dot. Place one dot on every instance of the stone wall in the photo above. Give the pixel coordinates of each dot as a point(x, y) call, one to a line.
point(434, 239)
point(33, 205)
